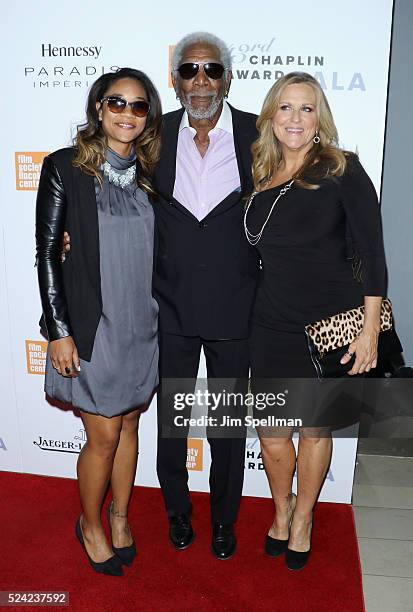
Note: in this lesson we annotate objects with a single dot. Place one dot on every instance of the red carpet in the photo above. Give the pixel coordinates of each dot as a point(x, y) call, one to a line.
point(39, 552)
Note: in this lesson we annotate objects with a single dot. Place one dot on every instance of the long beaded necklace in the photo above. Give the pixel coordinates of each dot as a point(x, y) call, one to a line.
point(254, 239)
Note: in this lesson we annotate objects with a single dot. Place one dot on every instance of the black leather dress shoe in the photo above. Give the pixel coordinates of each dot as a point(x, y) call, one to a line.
point(181, 533)
point(224, 542)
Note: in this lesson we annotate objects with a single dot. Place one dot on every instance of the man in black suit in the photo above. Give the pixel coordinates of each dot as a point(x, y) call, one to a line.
point(205, 270)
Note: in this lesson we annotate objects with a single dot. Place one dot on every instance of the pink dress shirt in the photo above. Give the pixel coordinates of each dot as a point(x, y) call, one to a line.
point(201, 183)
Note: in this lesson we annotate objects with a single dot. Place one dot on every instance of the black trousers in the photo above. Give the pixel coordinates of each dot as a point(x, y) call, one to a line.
point(179, 358)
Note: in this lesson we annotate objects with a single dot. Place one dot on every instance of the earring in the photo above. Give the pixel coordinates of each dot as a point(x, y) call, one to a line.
point(316, 138)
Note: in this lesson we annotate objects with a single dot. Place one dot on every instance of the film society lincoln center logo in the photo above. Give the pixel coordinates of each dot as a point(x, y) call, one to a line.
point(28, 167)
point(194, 457)
point(36, 356)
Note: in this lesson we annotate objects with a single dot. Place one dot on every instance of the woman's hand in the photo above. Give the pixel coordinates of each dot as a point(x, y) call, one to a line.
point(64, 357)
point(365, 345)
point(365, 350)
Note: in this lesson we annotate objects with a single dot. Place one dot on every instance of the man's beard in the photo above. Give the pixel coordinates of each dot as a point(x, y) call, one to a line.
point(202, 113)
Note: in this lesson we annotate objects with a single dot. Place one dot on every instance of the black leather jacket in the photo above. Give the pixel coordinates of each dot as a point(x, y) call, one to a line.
point(70, 292)
point(50, 218)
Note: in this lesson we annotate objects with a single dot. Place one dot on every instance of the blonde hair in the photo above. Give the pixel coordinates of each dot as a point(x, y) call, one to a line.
point(322, 160)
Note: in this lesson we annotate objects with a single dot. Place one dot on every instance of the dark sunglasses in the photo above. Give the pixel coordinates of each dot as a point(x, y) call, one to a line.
point(213, 70)
point(116, 104)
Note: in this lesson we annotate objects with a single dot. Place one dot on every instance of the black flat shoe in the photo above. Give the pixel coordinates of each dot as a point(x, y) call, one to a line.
point(110, 567)
point(181, 533)
point(224, 543)
point(126, 554)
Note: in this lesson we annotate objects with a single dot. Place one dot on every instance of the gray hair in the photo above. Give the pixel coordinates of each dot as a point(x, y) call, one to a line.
point(201, 37)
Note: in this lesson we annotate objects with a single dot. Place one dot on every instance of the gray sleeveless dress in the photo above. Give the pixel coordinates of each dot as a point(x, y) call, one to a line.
point(123, 370)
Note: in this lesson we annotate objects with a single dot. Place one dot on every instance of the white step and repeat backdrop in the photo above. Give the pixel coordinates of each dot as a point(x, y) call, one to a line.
point(51, 54)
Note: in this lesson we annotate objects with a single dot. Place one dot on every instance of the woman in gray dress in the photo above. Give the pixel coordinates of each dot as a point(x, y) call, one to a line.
point(100, 316)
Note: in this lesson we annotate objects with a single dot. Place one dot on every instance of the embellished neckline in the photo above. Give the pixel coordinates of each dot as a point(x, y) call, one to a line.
point(120, 179)
point(120, 171)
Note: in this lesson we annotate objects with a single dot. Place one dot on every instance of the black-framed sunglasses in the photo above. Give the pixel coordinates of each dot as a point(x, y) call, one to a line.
point(116, 104)
point(213, 70)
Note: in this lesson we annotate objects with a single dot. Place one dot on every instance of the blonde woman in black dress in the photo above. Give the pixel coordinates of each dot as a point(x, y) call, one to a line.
point(306, 275)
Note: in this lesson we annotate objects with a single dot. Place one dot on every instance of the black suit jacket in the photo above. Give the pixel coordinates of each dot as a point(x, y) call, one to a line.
point(205, 272)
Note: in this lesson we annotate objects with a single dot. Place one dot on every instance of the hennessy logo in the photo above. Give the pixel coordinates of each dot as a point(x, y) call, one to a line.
point(49, 51)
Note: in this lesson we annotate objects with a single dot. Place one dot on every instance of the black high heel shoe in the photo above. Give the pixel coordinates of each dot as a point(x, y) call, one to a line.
point(274, 547)
point(296, 560)
point(110, 567)
point(126, 554)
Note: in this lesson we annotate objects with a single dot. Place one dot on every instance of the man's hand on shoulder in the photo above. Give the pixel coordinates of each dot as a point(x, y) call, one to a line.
point(65, 246)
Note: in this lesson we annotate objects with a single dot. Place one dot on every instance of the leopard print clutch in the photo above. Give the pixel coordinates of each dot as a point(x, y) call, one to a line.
point(343, 328)
point(333, 333)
